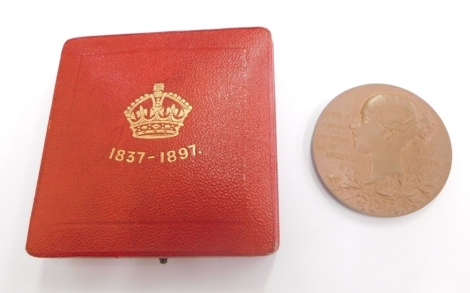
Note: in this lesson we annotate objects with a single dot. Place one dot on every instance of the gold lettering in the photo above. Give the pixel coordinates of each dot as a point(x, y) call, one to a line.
point(142, 155)
point(170, 156)
point(193, 148)
point(183, 152)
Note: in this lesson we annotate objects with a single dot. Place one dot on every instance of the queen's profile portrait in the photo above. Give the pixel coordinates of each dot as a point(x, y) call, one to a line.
point(385, 127)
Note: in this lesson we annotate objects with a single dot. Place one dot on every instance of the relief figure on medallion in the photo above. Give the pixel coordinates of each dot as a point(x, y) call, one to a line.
point(386, 126)
point(392, 155)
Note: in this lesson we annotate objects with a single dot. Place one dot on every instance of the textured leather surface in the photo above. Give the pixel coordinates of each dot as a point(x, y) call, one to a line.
point(219, 200)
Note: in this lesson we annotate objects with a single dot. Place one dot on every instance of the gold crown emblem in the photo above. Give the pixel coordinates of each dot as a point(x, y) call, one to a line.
point(157, 115)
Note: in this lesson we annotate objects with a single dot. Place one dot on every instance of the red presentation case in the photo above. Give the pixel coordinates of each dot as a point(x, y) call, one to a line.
point(160, 144)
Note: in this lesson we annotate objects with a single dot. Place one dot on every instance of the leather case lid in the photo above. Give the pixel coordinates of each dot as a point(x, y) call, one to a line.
point(160, 144)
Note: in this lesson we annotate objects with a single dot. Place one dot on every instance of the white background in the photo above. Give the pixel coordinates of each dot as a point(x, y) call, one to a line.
point(321, 49)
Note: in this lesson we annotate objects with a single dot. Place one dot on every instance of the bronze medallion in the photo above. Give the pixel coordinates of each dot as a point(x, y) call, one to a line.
point(381, 150)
